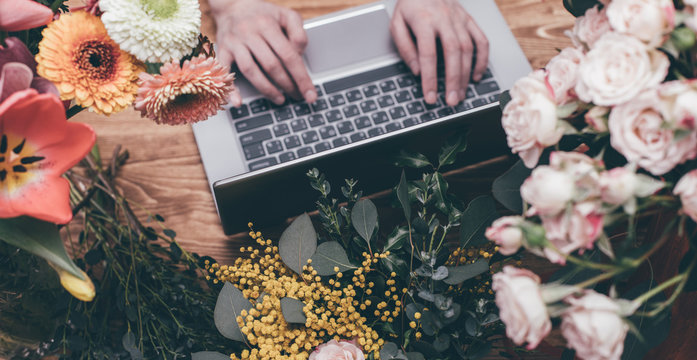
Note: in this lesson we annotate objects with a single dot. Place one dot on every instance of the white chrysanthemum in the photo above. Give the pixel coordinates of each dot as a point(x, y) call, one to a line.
point(153, 30)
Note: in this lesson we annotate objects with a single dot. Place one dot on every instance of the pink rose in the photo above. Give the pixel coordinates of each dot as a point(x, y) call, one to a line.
point(686, 188)
point(530, 118)
point(596, 118)
point(592, 325)
point(678, 103)
point(590, 27)
point(622, 185)
point(338, 350)
point(617, 68)
point(639, 131)
point(562, 74)
point(521, 307)
point(648, 20)
point(582, 168)
point(506, 233)
point(548, 190)
point(573, 230)
point(691, 21)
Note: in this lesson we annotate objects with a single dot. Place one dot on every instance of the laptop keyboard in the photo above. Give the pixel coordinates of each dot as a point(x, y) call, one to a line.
point(347, 110)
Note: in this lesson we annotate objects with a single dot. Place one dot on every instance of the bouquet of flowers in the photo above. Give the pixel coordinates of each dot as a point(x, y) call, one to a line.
point(608, 129)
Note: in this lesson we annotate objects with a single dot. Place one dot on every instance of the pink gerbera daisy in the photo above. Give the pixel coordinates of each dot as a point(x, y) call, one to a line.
point(184, 94)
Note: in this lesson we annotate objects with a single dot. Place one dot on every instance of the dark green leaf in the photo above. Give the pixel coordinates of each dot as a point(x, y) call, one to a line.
point(329, 255)
point(230, 304)
point(169, 233)
point(129, 344)
point(471, 326)
point(298, 243)
point(440, 190)
point(504, 99)
point(403, 196)
point(40, 238)
point(413, 308)
point(364, 217)
point(653, 330)
point(453, 146)
point(159, 218)
point(415, 356)
point(292, 310)
point(407, 158)
point(396, 239)
point(396, 264)
point(209, 355)
point(568, 354)
point(480, 213)
point(578, 7)
point(442, 342)
point(506, 188)
point(458, 274)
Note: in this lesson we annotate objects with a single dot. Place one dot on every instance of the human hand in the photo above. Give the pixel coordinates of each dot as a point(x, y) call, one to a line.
point(255, 32)
point(459, 36)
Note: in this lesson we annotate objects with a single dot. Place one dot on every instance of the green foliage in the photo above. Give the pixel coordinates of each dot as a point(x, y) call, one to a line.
point(298, 243)
point(459, 274)
point(230, 304)
point(329, 255)
point(506, 188)
point(364, 216)
point(209, 355)
point(292, 310)
point(480, 213)
point(578, 7)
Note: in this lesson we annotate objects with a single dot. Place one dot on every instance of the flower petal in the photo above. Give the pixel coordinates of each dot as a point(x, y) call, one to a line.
point(47, 199)
point(61, 156)
point(16, 15)
point(15, 51)
point(44, 86)
point(14, 77)
point(39, 118)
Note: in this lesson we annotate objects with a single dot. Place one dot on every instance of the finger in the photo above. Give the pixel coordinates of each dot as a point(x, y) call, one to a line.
point(249, 68)
point(225, 57)
point(482, 44)
point(404, 43)
point(466, 49)
point(426, 43)
point(292, 24)
point(235, 98)
point(271, 64)
point(453, 69)
point(293, 63)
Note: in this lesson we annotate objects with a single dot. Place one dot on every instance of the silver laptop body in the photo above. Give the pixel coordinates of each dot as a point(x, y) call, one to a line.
point(340, 45)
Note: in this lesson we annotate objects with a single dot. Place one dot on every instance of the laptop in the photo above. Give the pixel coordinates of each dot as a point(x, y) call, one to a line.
point(369, 107)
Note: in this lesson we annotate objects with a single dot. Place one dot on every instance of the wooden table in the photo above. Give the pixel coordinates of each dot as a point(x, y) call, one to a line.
point(164, 174)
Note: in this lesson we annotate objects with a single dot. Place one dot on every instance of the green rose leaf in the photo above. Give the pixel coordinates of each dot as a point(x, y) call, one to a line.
point(40, 238)
point(293, 310)
point(506, 188)
point(407, 158)
point(364, 217)
point(298, 243)
point(403, 196)
point(480, 213)
point(209, 355)
point(458, 274)
point(448, 153)
point(329, 255)
point(230, 304)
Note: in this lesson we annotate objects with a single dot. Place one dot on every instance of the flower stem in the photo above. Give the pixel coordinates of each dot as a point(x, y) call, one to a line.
point(73, 110)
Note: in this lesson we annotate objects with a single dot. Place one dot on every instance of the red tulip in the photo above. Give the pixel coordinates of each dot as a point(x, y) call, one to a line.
point(17, 15)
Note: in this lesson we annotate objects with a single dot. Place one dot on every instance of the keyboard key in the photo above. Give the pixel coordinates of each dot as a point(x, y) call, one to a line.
point(292, 141)
point(415, 107)
point(345, 126)
point(365, 77)
point(440, 85)
point(371, 90)
point(284, 113)
point(463, 106)
point(259, 105)
point(416, 92)
point(281, 129)
point(368, 106)
point(298, 125)
point(445, 112)
point(428, 117)
point(479, 102)
point(333, 115)
point(316, 120)
point(310, 136)
point(405, 81)
point(354, 95)
point(337, 100)
point(487, 74)
point(253, 123)
point(302, 152)
point(319, 90)
point(351, 110)
point(301, 109)
point(323, 146)
point(486, 87)
point(240, 112)
point(286, 156)
point(253, 151)
point(362, 122)
point(327, 132)
point(380, 117)
point(385, 101)
point(358, 136)
point(410, 122)
point(402, 96)
point(274, 146)
point(320, 105)
point(340, 141)
point(255, 137)
point(397, 112)
point(470, 92)
point(393, 126)
point(260, 164)
point(494, 97)
point(387, 86)
point(375, 132)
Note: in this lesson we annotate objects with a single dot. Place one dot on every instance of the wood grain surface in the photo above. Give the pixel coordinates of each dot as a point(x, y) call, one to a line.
point(164, 174)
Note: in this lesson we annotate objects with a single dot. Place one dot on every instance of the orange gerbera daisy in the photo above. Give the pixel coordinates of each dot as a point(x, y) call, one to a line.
point(78, 56)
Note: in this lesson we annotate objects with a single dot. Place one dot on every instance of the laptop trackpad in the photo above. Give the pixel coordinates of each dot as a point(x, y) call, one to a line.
point(348, 40)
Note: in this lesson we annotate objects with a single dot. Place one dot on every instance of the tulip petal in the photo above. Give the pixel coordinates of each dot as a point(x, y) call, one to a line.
point(44, 86)
point(15, 51)
point(16, 15)
point(14, 77)
point(78, 141)
point(47, 199)
point(39, 118)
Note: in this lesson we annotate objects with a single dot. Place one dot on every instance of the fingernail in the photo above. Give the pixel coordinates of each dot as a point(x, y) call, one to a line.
point(414, 65)
point(452, 98)
point(278, 100)
point(310, 96)
point(463, 94)
point(477, 77)
point(431, 97)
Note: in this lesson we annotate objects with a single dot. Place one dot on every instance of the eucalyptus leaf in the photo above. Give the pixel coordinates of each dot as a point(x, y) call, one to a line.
point(364, 217)
point(440, 273)
point(449, 316)
point(293, 310)
point(458, 274)
point(480, 213)
point(40, 238)
point(403, 196)
point(230, 304)
point(506, 188)
point(413, 355)
point(448, 153)
point(442, 342)
point(329, 255)
point(388, 350)
point(129, 344)
point(298, 243)
point(408, 158)
point(471, 326)
point(209, 355)
point(413, 308)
